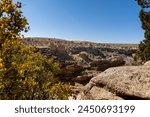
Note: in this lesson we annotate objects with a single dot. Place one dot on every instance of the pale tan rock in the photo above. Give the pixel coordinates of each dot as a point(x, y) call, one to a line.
point(102, 94)
point(117, 61)
point(128, 82)
point(147, 63)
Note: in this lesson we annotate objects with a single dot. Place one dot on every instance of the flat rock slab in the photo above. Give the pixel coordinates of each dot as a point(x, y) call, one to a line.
point(128, 82)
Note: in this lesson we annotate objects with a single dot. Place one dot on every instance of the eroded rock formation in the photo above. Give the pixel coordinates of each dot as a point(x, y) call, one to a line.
point(94, 69)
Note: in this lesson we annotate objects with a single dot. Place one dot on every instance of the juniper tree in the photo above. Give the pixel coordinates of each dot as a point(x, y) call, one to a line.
point(144, 47)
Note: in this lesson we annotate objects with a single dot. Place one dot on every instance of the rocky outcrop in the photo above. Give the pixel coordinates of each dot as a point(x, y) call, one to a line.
point(147, 63)
point(70, 71)
point(98, 93)
point(116, 61)
point(90, 50)
point(128, 82)
point(85, 76)
point(104, 64)
point(94, 67)
point(80, 61)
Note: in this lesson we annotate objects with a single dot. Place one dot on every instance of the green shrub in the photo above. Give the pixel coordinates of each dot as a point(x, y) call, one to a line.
point(143, 54)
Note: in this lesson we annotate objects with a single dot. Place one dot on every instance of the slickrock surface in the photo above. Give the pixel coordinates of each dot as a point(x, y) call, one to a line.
point(127, 82)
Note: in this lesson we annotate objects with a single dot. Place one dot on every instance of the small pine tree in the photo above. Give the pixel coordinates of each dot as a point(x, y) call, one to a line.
point(143, 53)
point(24, 72)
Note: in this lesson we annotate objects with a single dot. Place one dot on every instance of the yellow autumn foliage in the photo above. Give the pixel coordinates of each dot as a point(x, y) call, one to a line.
point(24, 72)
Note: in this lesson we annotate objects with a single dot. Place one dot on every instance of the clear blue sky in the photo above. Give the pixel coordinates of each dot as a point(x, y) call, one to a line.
point(112, 21)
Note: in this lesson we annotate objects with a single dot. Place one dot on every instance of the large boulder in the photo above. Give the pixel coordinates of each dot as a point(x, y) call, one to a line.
point(70, 71)
point(101, 65)
point(98, 93)
point(85, 76)
point(147, 63)
point(128, 82)
point(104, 64)
point(116, 61)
